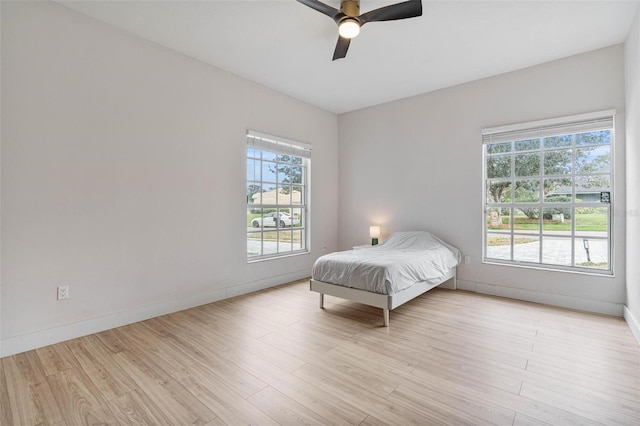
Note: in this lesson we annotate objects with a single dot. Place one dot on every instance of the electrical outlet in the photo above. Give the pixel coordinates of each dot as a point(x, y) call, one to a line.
point(63, 292)
point(467, 259)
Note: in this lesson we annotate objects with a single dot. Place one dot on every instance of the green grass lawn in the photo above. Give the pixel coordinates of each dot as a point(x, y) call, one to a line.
point(584, 222)
point(282, 236)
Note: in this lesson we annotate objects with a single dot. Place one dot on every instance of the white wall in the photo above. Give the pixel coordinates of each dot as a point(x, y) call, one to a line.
point(123, 167)
point(632, 73)
point(417, 164)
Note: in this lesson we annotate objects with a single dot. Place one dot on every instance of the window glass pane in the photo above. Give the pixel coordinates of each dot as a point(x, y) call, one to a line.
point(269, 156)
point(297, 239)
point(268, 218)
point(295, 175)
point(266, 188)
point(593, 159)
point(283, 158)
point(288, 173)
point(251, 169)
point(499, 246)
point(498, 191)
point(499, 220)
point(527, 164)
point(279, 196)
point(593, 138)
point(556, 221)
point(527, 191)
point(497, 148)
point(296, 213)
point(557, 162)
point(269, 243)
point(254, 244)
point(254, 218)
point(253, 153)
point(557, 141)
point(526, 248)
point(297, 195)
point(285, 218)
point(257, 173)
point(283, 195)
point(285, 241)
point(527, 144)
point(282, 176)
point(592, 221)
point(588, 188)
point(558, 190)
point(592, 253)
point(526, 221)
point(499, 166)
point(254, 193)
point(272, 196)
point(269, 171)
point(556, 250)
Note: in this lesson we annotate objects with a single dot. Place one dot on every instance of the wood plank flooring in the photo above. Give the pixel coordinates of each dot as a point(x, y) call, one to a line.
point(274, 358)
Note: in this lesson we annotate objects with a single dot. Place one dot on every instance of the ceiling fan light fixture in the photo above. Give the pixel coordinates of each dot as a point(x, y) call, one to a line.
point(349, 18)
point(349, 28)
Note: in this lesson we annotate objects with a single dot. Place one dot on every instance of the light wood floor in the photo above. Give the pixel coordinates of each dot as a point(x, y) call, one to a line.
point(273, 357)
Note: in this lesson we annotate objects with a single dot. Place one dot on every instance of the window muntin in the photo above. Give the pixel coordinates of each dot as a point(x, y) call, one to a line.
point(546, 192)
point(277, 194)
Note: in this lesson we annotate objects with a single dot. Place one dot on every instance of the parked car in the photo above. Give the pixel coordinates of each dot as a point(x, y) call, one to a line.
point(275, 218)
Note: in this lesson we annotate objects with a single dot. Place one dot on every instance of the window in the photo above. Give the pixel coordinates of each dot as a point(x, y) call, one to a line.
point(548, 191)
point(277, 194)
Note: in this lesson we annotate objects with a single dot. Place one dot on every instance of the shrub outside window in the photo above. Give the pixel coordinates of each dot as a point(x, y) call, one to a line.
point(548, 191)
point(277, 194)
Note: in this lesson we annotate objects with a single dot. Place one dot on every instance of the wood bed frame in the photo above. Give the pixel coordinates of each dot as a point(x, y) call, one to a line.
point(385, 301)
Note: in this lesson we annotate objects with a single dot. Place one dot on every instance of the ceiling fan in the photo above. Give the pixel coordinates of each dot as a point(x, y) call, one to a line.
point(349, 19)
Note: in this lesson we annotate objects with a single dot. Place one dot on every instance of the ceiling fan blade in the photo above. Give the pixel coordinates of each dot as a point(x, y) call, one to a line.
point(407, 9)
point(341, 48)
point(325, 9)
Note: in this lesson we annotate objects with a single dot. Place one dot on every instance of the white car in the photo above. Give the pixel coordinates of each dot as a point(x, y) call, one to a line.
point(273, 219)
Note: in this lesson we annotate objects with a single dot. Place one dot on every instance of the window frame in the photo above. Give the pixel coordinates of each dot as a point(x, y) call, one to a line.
point(275, 147)
point(571, 125)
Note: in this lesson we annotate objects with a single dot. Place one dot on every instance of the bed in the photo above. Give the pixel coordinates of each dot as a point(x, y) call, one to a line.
point(388, 275)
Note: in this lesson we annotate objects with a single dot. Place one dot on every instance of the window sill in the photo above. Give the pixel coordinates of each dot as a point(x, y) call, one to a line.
point(276, 257)
point(551, 268)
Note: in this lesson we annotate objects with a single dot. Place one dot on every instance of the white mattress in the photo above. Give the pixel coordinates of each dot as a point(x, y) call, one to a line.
point(404, 259)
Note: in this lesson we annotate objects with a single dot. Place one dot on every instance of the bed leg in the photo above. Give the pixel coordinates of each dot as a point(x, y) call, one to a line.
point(385, 316)
point(321, 300)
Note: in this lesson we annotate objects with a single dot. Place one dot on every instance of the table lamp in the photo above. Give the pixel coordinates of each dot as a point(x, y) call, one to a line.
point(374, 232)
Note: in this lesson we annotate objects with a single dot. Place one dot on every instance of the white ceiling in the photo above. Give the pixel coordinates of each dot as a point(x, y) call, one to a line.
point(288, 46)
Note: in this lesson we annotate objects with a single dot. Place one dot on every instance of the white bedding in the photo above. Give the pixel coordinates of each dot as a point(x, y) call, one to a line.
point(404, 259)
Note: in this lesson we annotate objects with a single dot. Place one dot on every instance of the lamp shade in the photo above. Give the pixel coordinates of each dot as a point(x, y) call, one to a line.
point(374, 231)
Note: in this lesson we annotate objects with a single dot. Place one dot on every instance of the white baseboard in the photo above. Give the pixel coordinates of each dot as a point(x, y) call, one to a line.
point(23, 343)
point(571, 302)
point(633, 322)
point(38, 339)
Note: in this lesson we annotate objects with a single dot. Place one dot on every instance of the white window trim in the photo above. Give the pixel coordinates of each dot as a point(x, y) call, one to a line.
point(535, 129)
point(560, 122)
point(279, 145)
